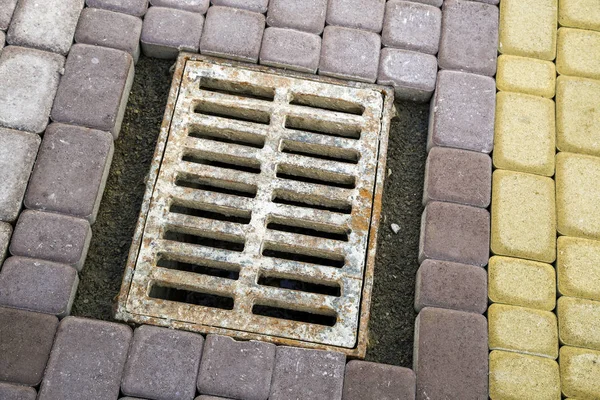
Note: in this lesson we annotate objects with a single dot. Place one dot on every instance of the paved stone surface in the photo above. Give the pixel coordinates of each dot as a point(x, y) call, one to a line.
point(252, 5)
point(578, 115)
point(7, 8)
point(580, 372)
point(290, 49)
point(29, 81)
point(133, 7)
point(584, 14)
point(458, 176)
point(86, 361)
point(303, 15)
point(2, 40)
point(25, 342)
point(5, 233)
point(167, 31)
point(578, 267)
point(437, 3)
point(578, 195)
point(524, 140)
point(162, 364)
point(462, 114)
point(451, 285)
point(528, 28)
point(578, 52)
point(307, 374)
point(236, 369)
point(358, 14)
point(198, 6)
point(17, 155)
point(579, 322)
point(412, 26)
point(522, 283)
point(456, 233)
point(70, 172)
point(350, 54)
point(412, 74)
point(520, 376)
point(38, 285)
point(110, 29)
point(526, 75)
point(523, 216)
point(451, 355)
point(232, 33)
point(203, 397)
point(16, 392)
point(95, 88)
point(469, 39)
point(46, 25)
point(368, 380)
point(51, 237)
point(524, 330)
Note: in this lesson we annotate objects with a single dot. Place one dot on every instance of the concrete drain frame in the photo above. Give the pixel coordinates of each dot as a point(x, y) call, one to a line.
point(234, 216)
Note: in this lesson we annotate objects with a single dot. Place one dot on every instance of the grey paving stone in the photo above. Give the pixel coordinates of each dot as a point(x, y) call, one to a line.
point(458, 176)
point(162, 364)
point(110, 29)
point(437, 3)
point(359, 14)
point(368, 380)
point(290, 49)
point(95, 88)
point(86, 361)
point(462, 113)
point(52, 237)
point(412, 26)
point(16, 392)
point(236, 369)
point(198, 6)
point(350, 54)
point(2, 40)
point(204, 397)
point(132, 7)
point(25, 342)
point(46, 25)
point(469, 40)
point(167, 31)
point(307, 374)
point(252, 5)
point(303, 15)
point(7, 8)
point(29, 81)
point(450, 285)
point(453, 232)
point(412, 74)
point(70, 172)
point(38, 285)
point(5, 234)
point(451, 355)
point(18, 151)
point(232, 33)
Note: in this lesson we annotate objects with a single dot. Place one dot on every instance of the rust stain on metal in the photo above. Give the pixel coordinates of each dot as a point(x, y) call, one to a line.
point(262, 207)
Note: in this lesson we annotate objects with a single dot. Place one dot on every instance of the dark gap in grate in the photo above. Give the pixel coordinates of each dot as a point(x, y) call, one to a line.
point(320, 151)
point(190, 297)
point(343, 237)
point(237, 89)
point(207, 241)
point(302, 257)
point(321, 203)
point(302, 286)
point(226, 136)
point(326, 103)
point(322, 127)
point(219, 270)
point(217, 186)
point(320, 177)
point(229, 112)
point(198, 159)
point(210, 214)
point(294, 315)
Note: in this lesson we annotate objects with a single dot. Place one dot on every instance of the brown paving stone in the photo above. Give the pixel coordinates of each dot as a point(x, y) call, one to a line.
point(16, 392)
point(367, 380)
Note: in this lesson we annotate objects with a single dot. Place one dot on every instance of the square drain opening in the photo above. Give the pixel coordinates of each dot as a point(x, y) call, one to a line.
point(262, 206)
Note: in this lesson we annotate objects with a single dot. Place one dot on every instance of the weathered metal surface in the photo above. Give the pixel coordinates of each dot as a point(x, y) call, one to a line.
point(268, 177)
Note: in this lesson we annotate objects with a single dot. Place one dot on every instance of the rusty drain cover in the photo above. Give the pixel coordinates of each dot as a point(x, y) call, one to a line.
point(262, 207)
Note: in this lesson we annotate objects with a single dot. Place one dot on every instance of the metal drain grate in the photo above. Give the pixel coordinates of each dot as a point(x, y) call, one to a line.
point(262, 208)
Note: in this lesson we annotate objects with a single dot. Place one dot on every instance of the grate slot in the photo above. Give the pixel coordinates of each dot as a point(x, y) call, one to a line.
point(310, 256)
point(227, 111)
point(222, 161)
point(294, 315)
point(308, 124)
point(165, 292)
point(228, 136)
point(326, 103)
point(241, 89)
point(291, 198)
point(313, 175)
point(208, 212)
point(202, 267)
point(322, 152)
point(217, 186)
point(207, 239)
point(302, 228)
point(329, 289)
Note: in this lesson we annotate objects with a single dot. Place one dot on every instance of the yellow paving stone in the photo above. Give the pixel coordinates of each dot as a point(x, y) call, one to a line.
point(528, 28)
point(578, 267)
point(521, 283)
point(578, 115)
point(526, 75)
point(518, 376)
point(584, 14)
point(524, 133)
point(524, 330)
point(578, 53)
point(523, 216)
point(579, 322)
point(580, 372)
point(578, 195)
